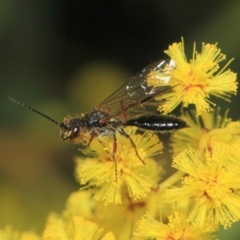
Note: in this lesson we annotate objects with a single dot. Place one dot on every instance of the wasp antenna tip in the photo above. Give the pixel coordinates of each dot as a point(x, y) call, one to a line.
point(13, 100)
point(37, 112)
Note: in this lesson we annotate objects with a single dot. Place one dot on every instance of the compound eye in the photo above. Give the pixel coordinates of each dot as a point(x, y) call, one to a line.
point(75, 132)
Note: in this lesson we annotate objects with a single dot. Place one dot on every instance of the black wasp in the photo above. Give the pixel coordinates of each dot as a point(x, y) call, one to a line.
point(127, 106)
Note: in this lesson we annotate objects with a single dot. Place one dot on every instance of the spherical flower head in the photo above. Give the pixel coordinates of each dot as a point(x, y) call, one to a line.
point(203, 130)
point(120, 219)
point(193, 82)
point(211, 187)
point(128, 171)
point(8, 233)
point(176, 228)
point(85, 209)
point(75, 228)
point(110, 217)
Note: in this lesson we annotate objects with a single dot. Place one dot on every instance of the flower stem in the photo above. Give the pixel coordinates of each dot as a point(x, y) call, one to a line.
point(174, 178)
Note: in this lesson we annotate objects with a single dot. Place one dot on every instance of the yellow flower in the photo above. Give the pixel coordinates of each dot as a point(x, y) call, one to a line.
point(85, 209)
point(109, 217)
point(76, 228)
point(211, 187)
point(176, 228)
point(9, 234)
point(196, 80)
point(120, 219)
point(204, 130)
point(139, 179)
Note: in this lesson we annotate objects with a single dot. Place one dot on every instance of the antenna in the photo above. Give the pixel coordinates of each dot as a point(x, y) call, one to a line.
point(61, 125)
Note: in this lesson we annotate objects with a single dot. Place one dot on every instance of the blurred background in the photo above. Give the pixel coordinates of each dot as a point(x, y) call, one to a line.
point(64, 57)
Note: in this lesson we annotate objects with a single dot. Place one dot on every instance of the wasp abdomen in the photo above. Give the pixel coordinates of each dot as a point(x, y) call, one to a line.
point(157, 123)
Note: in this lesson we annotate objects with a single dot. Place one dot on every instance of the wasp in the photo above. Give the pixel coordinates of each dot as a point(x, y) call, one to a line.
point(127, 106)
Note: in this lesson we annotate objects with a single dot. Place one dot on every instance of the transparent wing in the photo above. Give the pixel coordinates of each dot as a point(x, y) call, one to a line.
point(139, 92)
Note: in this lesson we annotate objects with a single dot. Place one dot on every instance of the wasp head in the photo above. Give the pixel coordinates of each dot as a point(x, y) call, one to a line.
point(72, 129)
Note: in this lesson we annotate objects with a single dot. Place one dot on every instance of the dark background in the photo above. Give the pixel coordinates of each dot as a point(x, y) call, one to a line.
point(63, 57)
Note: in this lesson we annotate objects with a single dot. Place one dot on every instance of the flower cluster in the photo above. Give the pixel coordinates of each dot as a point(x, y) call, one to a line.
point(128, 197)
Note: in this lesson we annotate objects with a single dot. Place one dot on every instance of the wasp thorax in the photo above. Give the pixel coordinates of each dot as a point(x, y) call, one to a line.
point(72, 130)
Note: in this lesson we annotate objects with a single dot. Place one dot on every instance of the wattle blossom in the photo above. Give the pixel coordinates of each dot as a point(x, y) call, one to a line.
point(196, 80)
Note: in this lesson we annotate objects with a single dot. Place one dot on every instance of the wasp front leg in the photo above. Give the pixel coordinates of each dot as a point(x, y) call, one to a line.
point(123, 133)
point(107, 132)
point(114, 150)
point(92, 136)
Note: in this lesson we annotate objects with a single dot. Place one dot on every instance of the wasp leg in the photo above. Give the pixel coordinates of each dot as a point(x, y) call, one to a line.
point(113, 155)
point(93, 135)
point(122, 132)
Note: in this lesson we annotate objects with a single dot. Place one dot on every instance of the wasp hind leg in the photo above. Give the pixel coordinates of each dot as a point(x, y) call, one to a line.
point(123, 133)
